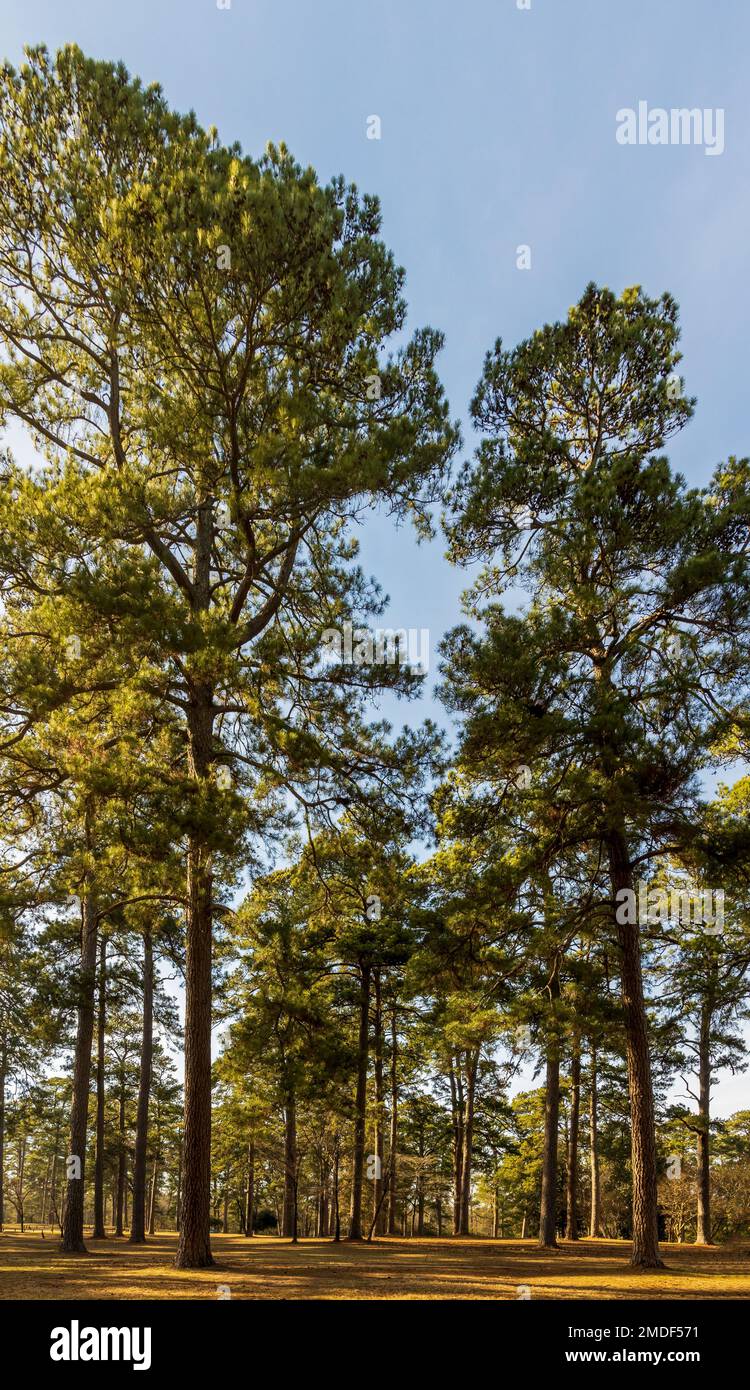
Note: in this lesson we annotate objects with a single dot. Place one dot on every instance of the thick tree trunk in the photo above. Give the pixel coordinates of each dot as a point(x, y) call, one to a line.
point(457, 1108)
point(250, 1190)
point(595, 1222)
point(194, 1248)
point(194, 1245)
point(377, 1187)
point(360, 1106)
point(703, 1154)
point(21, 1171)
point(571, 1192)
point(72, 1224)
point(472, 1063)
point(642, 1127)
point(289, 1228)
point(548, 1207)
point(138, 1227)
point(393, 1153)
point(99, 1230)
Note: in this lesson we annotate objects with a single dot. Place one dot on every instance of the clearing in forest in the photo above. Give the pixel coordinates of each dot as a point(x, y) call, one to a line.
point(266, 1267)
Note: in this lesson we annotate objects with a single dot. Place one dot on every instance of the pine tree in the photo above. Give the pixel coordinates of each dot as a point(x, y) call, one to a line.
point(637, 585)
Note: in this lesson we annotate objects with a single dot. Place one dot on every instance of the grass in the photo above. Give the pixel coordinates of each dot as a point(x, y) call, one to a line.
point(268, 1268)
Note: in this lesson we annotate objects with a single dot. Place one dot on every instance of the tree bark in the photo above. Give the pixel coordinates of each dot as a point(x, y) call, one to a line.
point(645, 1253)
point(3, 1066)
point(289, 1228)
point(571, 1204)
point(457, 1107)
point(250, 1191)
point(99, 1228)
point(392, 1157)
point(138, 1225)
point(472, 1063)
point(194, 1244)
point(360, 1106)
point(152, 1202)
point(121, 1159)
point(548, 1207)
point(595, 1222)
point(45, 1191)
point(703, 1154)
point(336, 1202)
point(21, 1169)
point(377, 1187)
point(72, 1241)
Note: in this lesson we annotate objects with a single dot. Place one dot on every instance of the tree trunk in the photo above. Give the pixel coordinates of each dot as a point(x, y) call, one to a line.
point(548, 1207)
point(72, 1225)
point(54, 1215)
point(457, 1107)
point(321, 1220)
point(377, 1187)
point(642, 1128)
point(703, 1155)
point(571, 1215)
point(194, 1245)
point(289, 1227)
point(138, 1227)
point(472, 1063)
point(3, 1066)
point(336, 1203)
point(152, 1202)
point(392, 1157)
point(250, 1191)
point(99, 1229)
point(22, 1141)
point(45, 1190)
point(121, 1160)
point(595, 1223)
point(360, 1106)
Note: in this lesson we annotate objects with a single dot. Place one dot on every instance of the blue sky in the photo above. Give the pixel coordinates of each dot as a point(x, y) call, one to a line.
point(498, 129)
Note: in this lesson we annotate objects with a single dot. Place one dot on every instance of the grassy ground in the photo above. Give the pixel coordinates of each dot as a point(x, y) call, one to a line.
point(266, 1267)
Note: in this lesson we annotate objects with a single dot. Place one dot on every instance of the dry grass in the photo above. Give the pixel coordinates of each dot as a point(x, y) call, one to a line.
point(266, 1267)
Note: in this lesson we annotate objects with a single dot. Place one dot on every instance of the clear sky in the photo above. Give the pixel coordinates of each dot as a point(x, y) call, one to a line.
point(498, 129)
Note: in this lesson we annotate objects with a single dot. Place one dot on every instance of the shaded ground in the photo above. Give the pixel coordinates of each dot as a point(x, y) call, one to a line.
point(266, 1267)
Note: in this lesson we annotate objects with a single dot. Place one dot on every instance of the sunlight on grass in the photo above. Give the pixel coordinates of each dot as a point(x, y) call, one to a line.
point(267, 1268)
